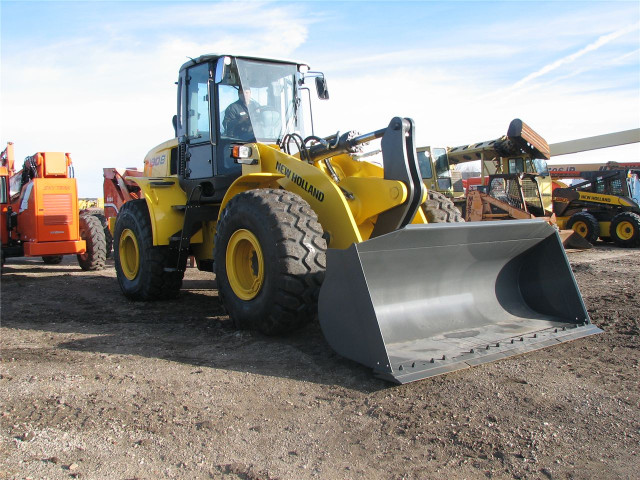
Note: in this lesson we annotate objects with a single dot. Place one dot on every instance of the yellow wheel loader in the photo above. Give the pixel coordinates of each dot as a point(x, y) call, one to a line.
point(295, 226)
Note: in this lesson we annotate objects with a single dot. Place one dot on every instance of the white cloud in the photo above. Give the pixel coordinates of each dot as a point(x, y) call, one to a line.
point(108, 98)
point(600, 42)
point(109, 95)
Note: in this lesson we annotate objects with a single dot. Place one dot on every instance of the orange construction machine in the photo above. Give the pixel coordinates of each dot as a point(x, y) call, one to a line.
point(40, 217)
point(118, 189)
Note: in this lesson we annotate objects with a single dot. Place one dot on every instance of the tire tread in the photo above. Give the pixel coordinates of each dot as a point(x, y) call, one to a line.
point(96, 253)
point(440, 209)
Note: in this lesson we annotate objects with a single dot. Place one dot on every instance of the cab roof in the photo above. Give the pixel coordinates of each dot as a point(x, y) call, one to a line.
point(215, 56)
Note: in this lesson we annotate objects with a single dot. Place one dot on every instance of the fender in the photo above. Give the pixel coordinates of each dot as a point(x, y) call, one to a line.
point(161, 195)
point(346, 221)
point(276, 169)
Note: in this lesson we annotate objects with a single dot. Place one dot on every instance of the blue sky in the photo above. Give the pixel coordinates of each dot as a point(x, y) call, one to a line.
point(97, 78)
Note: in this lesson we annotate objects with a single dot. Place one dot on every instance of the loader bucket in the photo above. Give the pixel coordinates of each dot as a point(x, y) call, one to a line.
point(431, 299)
point(573, 240)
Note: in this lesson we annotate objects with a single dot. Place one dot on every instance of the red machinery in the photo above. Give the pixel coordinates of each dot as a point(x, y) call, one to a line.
point(39, 208)
point(118, 189)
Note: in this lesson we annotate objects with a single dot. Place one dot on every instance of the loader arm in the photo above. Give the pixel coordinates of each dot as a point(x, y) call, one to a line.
point(360, 200)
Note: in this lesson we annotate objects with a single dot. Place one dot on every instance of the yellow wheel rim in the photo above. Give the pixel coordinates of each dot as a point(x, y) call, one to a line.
point(129, 254)
point(245, 264)
point(581, 228)
point(624, 230)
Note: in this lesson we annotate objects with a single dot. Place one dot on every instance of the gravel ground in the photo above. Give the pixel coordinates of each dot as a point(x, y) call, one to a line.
point(94, 386)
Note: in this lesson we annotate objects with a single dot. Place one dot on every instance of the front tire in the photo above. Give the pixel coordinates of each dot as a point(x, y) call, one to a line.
point(440, 209)
point(92, 233)
point(140, 266)
point(585, 225)
point(625, 230)
point(270, 259)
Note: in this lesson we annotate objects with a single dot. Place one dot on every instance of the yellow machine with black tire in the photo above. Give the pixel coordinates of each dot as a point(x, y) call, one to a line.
point(297, 226)
point(605, 206)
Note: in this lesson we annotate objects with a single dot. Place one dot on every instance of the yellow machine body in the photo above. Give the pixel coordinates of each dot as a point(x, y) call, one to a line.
point(345, 221)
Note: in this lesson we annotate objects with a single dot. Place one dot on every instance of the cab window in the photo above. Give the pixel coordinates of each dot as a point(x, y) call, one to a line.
point(198, 103)
point(541, 167)
point(424, 161)
point(3, 190)
point(516, 165)
point(442, 163)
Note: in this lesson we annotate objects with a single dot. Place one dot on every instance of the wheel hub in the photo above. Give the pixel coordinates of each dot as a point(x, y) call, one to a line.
point(624, 230)
point(581, 228)
point(129, 254)
point(245, 264)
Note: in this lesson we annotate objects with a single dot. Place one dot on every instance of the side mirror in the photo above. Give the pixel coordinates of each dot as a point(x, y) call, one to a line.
point(174, 121)
point(221, 69)
point(321, 87)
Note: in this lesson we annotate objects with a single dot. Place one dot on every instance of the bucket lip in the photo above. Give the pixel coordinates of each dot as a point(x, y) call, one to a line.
point(486, 224)
point(452, 235)
point(405, 373)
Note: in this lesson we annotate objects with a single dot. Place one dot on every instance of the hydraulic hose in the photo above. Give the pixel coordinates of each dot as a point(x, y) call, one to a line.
point(336, 144)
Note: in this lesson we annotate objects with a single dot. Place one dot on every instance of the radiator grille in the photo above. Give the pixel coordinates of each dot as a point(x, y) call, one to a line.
point(531, 193)
point(58, 208)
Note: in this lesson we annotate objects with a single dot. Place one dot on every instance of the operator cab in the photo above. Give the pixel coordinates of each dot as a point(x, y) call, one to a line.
point(438, 158)
point(537, 166)
point(225, 101)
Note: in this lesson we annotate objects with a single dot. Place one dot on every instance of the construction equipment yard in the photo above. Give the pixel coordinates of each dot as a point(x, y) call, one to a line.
point(96, 386)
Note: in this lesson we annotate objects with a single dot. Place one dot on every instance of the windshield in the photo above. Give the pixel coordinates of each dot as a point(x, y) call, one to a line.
point(258, 101)
point(442, 163)
point(15, 183)
point(541, 167)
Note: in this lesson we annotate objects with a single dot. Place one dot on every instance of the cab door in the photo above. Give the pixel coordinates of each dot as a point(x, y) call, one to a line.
point(199, 144)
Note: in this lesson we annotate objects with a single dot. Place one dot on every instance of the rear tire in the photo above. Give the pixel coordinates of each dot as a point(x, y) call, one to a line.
point(625, 230)
point(52, 259)
point(92, 233)
point(107, 233)
point(270, 259)
point(140, 267)
point(440, 209)
point(585, 225)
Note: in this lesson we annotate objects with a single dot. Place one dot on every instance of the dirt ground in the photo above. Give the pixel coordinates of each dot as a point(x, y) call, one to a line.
point(97, 387)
